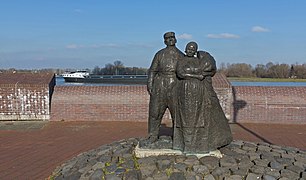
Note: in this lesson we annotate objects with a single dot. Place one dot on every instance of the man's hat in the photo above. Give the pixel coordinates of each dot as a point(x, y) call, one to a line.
point(169, 34)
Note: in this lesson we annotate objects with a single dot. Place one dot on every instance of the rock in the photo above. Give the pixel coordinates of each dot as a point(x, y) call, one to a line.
point(190, 176)
point(268, 177)
point(291, 149)
point(221, 172)
point(210, 162)
point(97, 175)
point(241, 172)
point(98, 165)
point(177, 176)
point(295, 169)
point(103, 150)
point(148, 170)
point(278, 150)
point(253, 156)
point(111, 168)
point(200, 169)
point(248, 146)
point(180, 167)
point(272, 172)
point(160, 176)
point(252, 176)
point(128, 164)
point(228, 161)
point(289, 174)
point(245, 164)
point(72, 175)
point(133, 175)
point(269, 156)
point(300, 164)
point(261, 162)
point(284, 178)
point(239, 151)
point(284, 161)
point(238, 143)
point(289, 156)
point(228, 151)
point(257, 169)
point(119, 171)
point(163, 164)
point(147, 161)
point(191, 160)
point(233, 177)
point(276, 165)
point(105, 158)
point(112, 177)
point(264, 148)
point(301, 159)
point(180, 158)
point(209, 177)
point(304, 175)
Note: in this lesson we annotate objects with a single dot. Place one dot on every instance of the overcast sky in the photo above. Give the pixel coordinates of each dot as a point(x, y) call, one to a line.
point(87, 33)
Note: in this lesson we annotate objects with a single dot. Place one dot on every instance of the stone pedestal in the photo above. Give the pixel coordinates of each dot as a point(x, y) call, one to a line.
point(240, 160)
point(143, 152)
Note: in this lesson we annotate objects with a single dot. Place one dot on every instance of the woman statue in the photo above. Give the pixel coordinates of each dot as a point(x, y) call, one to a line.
point(199, 119)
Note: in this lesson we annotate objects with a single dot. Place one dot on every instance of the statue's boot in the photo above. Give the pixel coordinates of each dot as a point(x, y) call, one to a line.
point(150, 140)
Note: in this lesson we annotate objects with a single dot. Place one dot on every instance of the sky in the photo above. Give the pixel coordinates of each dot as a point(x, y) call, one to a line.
point(83, 34)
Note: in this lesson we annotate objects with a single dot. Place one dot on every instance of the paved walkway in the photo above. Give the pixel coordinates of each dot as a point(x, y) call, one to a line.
point(33, 150)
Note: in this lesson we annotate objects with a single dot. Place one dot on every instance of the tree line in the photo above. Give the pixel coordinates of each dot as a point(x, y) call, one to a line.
point(118, 68)
point(269, 70)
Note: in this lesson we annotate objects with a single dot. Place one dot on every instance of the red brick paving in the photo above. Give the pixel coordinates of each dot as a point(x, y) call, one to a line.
point(34, 154)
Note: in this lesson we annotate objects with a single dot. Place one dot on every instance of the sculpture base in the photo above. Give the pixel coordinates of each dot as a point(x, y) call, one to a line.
point(143, 152)
point(117, 161)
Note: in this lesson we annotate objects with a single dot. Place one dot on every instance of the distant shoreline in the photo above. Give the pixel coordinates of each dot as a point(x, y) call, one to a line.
point(265, 79)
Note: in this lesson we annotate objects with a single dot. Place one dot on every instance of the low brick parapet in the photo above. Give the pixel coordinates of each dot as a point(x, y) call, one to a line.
point(100, 103)
point(116, 103)
point(241, 104)
point(26, 96)
point(264, 104)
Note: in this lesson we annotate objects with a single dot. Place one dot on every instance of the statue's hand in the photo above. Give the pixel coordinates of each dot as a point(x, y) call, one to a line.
point(201, 77)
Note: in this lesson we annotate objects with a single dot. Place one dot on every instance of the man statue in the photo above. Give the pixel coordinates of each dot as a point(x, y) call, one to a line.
point(161, 85)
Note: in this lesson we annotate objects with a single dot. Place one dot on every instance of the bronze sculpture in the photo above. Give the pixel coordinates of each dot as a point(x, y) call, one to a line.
point(199, 117)
point(162, 85)
point(183, 83)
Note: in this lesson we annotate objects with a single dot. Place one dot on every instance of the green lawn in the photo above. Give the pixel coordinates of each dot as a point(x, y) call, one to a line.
point(265, 79)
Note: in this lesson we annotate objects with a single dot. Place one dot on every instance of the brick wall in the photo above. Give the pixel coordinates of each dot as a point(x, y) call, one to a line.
point(116, 103)
point(25, 96)
point(269, 104)
point(130, 103)
point(100, 103)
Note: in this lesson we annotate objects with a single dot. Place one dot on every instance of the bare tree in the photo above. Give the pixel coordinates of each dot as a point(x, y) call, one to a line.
point(118, 65)
point(278, 71)
point(299, 71)
point(239, 70)
point(96, 70)
point(260, 71)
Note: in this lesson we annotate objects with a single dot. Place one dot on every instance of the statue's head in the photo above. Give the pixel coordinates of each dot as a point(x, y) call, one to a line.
point(191, 49)
point(169, 38)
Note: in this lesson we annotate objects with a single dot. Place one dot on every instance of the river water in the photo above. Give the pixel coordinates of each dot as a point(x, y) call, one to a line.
point(61, 82)
point(239, 83)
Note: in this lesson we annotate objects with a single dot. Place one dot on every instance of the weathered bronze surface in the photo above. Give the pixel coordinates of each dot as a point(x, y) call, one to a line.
point(200, 119)
point(183, 83)
point(161, 86)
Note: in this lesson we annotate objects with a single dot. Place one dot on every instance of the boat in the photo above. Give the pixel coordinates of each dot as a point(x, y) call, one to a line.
point(75, 76)
point(85, 77)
